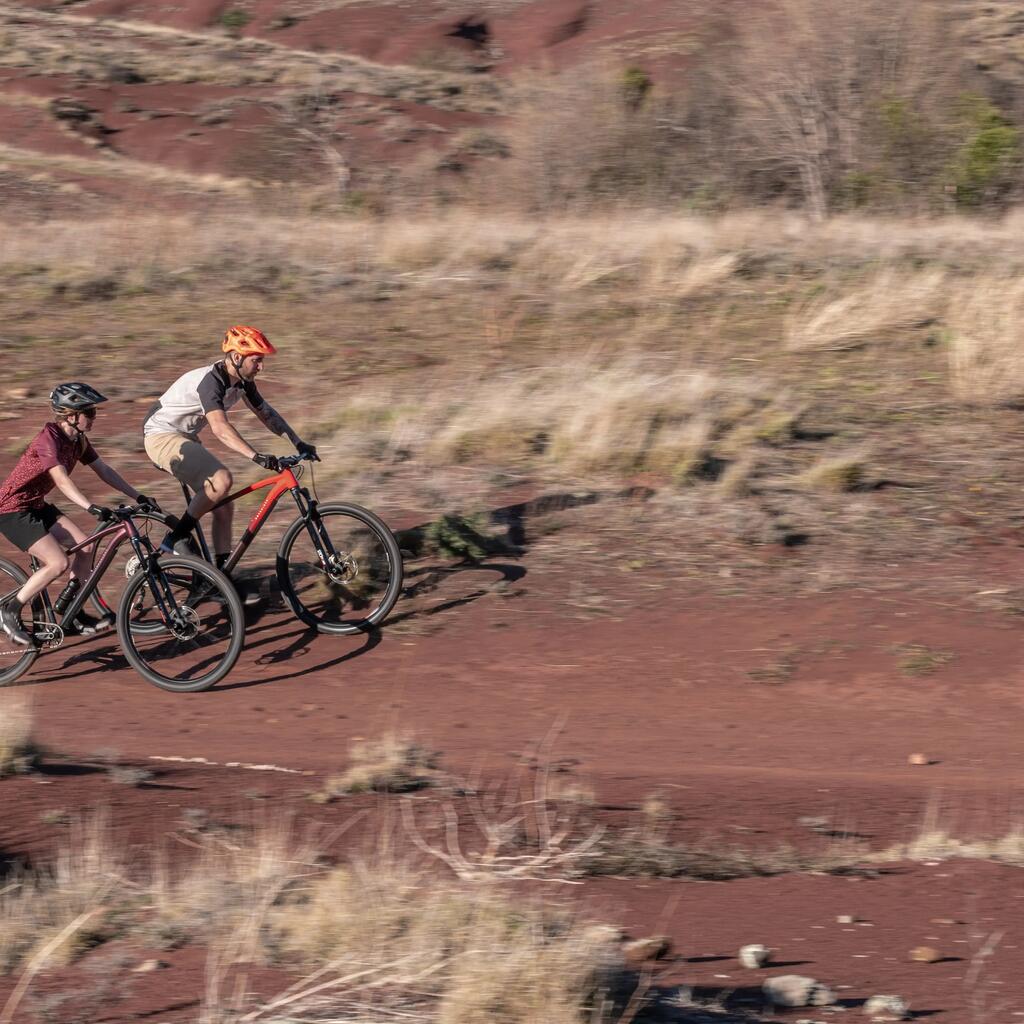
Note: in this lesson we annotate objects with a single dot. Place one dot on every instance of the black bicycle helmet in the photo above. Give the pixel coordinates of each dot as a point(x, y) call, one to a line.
point(74, 397)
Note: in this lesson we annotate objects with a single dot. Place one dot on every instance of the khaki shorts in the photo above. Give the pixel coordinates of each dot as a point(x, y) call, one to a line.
point(185, 459)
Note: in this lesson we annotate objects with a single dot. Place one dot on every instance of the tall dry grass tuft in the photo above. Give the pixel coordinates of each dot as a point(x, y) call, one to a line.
point(986, 343)
point(394, 763)
point(19, 752)
point(39, 910)
point(444, 953)
point(595, 416)
point(229, 886)
point(846, 314)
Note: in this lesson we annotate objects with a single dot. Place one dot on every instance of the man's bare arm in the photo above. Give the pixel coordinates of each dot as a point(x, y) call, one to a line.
point(227, 435)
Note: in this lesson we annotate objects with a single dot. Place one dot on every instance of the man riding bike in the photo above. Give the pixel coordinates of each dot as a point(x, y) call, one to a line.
point(204, 396)
point(33, 525)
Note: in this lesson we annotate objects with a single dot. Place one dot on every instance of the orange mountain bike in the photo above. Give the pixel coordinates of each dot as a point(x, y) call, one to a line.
point(338, 565)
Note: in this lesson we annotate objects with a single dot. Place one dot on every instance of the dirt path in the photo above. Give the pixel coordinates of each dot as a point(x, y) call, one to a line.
point(748, 715)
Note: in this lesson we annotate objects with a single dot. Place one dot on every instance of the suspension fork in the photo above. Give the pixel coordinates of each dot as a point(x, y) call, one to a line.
point(314, 524)
point(157, 578)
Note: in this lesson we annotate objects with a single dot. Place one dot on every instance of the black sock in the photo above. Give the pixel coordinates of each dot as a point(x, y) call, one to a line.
point(184, 527)
point(14, 604)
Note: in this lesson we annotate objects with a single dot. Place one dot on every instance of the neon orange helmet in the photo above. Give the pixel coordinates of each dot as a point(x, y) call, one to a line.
point(247, 341)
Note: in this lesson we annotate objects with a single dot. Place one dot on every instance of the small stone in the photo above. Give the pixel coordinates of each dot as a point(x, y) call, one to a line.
point(925, 954)
point(755, 955)
point(846, 919)
point(657, 947)
point(796, 990)
point(945, 920)
point(150, 965)
point(919, 759)
point(886, 1008)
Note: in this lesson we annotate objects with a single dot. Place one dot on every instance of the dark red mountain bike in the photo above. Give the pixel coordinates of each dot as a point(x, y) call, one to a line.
point(338, 565)
point(179, 621)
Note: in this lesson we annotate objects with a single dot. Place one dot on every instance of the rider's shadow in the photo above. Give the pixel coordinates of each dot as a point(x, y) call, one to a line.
point(424, 583)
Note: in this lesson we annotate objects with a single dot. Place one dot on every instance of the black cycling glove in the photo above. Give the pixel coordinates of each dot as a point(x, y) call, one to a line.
point(101, 512)
point(307, 449)
point(146, 501)
point(267, 462)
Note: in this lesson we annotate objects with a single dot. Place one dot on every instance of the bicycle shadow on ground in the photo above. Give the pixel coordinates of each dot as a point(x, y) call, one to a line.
point(299, 643)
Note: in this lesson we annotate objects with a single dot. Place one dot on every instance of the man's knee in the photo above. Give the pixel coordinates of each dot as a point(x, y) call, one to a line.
point(219, 484)
point(58, 564)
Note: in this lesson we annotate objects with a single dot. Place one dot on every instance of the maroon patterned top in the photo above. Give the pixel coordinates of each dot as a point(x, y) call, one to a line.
point(30, 481)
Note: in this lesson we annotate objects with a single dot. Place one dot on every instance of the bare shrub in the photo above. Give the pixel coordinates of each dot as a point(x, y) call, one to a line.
point(589, 136)
point(18, 750)
point(850, 313)
point(816, 89)
point(986, 341)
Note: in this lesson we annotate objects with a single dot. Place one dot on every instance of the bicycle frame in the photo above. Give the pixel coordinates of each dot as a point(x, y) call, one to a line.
point(119, 532)
point(279, 484)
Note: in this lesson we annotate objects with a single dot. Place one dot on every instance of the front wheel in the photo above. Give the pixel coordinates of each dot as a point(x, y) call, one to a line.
point(16, 660)
point(181, 624)
point(349, 586)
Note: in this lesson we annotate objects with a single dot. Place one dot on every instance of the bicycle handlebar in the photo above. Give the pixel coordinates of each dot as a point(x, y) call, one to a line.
point(288, 461)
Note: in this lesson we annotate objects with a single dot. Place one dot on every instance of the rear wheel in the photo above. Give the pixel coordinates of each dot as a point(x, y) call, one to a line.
point(16, 660)
point(350, 591)
point(194, 645)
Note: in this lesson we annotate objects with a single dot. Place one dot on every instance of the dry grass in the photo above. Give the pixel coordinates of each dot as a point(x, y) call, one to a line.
point(986, 344)
point(18, 750)
point(453, 356)
point(229, 886)
point(38, 909)
point(394, 763)
point(646, 852)
point(69, 43)
point(845, 313)
point(837, 474)
point(452, 955)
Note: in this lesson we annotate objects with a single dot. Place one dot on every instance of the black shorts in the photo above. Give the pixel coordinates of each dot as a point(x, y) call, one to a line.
point(23, 529)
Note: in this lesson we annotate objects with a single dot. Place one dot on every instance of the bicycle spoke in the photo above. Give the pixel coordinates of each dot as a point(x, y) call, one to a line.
point(342, 591)
point(191, 633)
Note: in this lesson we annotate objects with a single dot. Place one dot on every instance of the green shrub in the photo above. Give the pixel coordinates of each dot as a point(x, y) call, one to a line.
point(636, 84)
point(234, 20)
point(986, 163)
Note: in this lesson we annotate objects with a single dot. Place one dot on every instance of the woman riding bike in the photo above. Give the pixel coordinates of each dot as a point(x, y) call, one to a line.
point(35, 526)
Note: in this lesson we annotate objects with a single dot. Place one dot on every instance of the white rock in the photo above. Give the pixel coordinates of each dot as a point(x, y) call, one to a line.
point(150, 965)
point(846, 919)
point(886, 1008)
point(754, 955)
point(796, 990)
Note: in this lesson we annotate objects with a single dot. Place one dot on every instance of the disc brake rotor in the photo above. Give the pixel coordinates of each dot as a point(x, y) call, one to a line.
point(185, 623)
point(341, 568)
